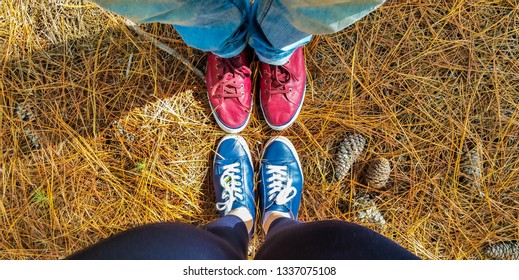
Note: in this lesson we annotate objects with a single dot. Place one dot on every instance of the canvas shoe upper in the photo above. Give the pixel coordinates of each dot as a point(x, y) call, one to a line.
point(233, 176)
point(282, 90)
point(228, 83)
point(281, 178)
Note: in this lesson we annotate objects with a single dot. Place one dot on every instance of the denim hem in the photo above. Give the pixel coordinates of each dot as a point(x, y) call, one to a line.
point(233, 53)
point(281, 58)
point(278, 61)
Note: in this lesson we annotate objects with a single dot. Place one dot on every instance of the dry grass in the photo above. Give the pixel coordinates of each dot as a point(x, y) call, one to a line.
point(101, 131)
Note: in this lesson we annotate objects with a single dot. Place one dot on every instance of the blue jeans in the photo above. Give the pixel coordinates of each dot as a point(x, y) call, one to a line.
point(273, 28)
point(227, 239)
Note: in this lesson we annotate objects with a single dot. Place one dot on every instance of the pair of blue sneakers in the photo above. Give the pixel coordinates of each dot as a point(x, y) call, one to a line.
point(280, 183)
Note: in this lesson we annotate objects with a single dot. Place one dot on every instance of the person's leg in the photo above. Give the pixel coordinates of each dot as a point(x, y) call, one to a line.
point(290, 239)
point(225, 238)
point(281, 181)
point(217, 26)
point(233, 180)
point(279, 27)
point(280, 188)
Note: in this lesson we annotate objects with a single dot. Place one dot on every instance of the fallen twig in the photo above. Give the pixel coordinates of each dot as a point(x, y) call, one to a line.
point(165, 48)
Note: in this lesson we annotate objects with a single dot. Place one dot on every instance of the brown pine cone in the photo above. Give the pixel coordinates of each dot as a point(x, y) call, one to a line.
point(377, 174)
point(470, 167)
point(368, 211)
point(508, 250)
point(24, 112)
point(349, 149)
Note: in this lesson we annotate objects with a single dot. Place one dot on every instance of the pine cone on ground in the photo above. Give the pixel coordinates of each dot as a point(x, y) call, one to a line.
point(508, 250)
point(25, 113)
point(368, 211)
point(349, 149)
point(378, 172)
point(470, 167)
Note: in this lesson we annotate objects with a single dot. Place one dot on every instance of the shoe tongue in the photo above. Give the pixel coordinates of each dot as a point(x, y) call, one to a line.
point(235, 62)
point(283, 73)
point(236, 65)
point(282, 77)
point(245, 70)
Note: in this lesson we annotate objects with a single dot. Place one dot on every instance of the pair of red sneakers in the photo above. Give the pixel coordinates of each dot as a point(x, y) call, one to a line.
point(229, 88)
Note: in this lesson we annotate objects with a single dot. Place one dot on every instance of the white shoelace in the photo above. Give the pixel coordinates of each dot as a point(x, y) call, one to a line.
point(280, 186)
point(230, 182)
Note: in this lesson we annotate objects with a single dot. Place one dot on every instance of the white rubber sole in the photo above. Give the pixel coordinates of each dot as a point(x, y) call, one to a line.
point(223, 126)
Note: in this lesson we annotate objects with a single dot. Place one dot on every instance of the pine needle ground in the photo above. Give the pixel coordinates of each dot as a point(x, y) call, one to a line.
point(101, 131)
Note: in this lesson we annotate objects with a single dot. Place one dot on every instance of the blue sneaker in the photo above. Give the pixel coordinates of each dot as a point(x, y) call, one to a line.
point(281, 178)
point(233, 176)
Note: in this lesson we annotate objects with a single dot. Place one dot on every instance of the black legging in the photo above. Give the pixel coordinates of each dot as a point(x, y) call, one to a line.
point(227, 238)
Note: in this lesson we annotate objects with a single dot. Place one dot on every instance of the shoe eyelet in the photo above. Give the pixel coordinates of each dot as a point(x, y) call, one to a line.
point(218, 76)
point(242, 86)
point(265, 71)
point(290, 90)
point(242, 93)
point(288, 61)
point(216, 66)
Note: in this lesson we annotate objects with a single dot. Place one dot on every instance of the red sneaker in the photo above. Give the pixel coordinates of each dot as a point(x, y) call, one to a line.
point(229, 90)
point(282, 90)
